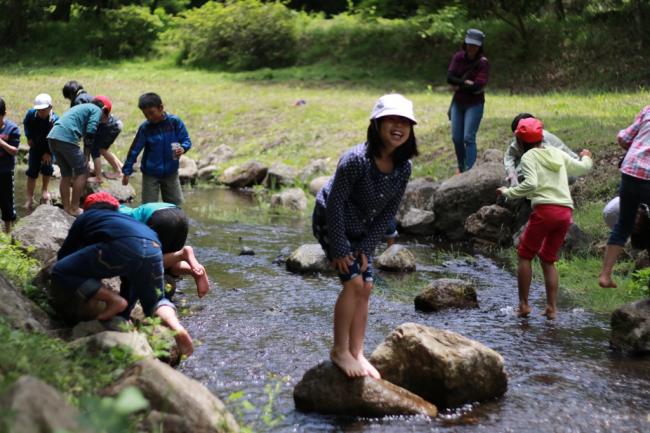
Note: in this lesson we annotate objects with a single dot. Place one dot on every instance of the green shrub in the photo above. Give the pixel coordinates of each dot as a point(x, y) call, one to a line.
point(237, 35)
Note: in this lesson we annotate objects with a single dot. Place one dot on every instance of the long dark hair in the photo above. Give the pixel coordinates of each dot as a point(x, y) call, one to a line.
point(403, 153)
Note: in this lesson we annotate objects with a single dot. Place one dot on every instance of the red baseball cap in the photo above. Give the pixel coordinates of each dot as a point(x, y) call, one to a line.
point(530, 130)
point(104, 100)
point(100, 197)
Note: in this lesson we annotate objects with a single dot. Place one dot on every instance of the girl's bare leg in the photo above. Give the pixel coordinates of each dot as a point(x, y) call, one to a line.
point(524, 278)
point(611, 255)
point(358, 330)
point(344, 315)
point(183, 339)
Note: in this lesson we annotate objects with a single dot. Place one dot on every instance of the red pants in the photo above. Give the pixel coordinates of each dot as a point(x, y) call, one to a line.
point(545, 233)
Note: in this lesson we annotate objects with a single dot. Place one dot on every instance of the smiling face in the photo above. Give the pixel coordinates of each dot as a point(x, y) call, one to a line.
point(394, 131)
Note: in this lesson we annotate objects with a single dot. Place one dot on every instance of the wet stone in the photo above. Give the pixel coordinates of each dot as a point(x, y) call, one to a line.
point(446, 293)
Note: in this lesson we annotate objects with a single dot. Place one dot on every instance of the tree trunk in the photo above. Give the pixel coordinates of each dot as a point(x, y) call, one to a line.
point(62, 10)
point(559, 10)
point(17, 27)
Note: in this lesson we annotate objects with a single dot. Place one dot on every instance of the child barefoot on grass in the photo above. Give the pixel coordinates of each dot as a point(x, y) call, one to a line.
point(545, 183)
point(351, 215)
point(171, 225)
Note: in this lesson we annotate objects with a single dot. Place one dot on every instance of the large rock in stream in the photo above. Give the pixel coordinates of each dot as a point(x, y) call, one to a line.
point(175, 397)
point(442, 367)
point(32, 406)
point(240, 176)
point(462, 195)
point(123, 193)
point(326, 389)
point(396, 258)
point(492, 224)
point(42, 233)
point(446, 293)
point(308, 258)
point(631, 327)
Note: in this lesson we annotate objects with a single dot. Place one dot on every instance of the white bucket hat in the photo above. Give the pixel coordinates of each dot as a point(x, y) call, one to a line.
point(393, 104)
point(474, 37)
point(42, 101)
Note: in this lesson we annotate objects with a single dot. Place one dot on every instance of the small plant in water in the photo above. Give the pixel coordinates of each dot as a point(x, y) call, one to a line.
point(266, 418)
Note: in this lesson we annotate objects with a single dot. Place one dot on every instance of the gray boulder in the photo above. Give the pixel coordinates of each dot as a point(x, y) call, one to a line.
point(240, 176)
point(317, 184)
point(123, 193)
point(207, 172)
point(280, 175)
point(491, 155)
point(314, 168)
point(417, 222)
point(308, 258)
point(577, 241)
point(492, 224)
point(397, 258)
point(462, 195)
point(221, 154)
point(326, 389)
point(188, 171)
point(446, 293)
point(631, 327)
point(171, 392)
point(19, 311)
point(135, 342)
point(442, 367)
point(419, 194)
point(292, 198)
point(42, 233)
point(32, 406)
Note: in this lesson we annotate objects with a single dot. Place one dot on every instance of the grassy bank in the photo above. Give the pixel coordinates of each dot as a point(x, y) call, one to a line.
point(254, 114)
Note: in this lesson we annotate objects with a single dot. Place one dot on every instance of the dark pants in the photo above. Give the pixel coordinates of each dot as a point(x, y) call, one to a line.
point(137, 259)
point(634, 191)
point(7, 203)
point(36, 165)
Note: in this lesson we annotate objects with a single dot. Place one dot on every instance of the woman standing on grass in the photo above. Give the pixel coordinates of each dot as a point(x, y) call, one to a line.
point(634, 189)
point(468, 75)
point(351, 215)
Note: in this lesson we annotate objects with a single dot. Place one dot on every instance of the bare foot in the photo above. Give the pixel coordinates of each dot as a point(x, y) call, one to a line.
point(606, 281)
point(550, 313)
point(202, 283)
point(370, 369)
point(29, 205)
point(46, 198)
point(523, 310)
point(112, 175)
point(184, 342)
point(75, 212)
point(190, 258)
point(114, 304)
point(346, 362)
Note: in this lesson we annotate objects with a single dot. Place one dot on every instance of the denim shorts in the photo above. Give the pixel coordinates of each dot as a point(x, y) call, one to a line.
point(69, 158)
point(319, 227)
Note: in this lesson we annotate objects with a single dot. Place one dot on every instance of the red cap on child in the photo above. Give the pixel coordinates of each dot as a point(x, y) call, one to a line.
point(100, 197)
point(104, 100)
point(530, 130)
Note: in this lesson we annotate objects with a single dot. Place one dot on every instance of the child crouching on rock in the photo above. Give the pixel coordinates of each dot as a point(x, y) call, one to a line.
point(545, 171)
point(103, 243)
point(352, 213)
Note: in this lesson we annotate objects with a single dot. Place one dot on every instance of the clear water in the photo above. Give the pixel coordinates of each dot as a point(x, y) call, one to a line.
point(262, 327)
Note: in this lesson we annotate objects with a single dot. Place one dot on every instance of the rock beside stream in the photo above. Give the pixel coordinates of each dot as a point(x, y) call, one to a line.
point(447, 293)
point(172, 393)
point(326, 389)
point(442, 367)
point(42, 233)
point(631, 327)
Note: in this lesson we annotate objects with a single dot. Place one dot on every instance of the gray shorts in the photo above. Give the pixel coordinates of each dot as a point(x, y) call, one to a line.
point(69, 157)
point(168, 187)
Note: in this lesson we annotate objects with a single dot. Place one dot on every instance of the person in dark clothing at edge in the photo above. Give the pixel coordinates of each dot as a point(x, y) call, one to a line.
point(104, 243)
point(468, 75)
point(75, 92)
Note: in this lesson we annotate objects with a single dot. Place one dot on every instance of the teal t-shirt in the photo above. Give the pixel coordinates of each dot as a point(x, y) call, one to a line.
point(143, 212)
point(78, 121)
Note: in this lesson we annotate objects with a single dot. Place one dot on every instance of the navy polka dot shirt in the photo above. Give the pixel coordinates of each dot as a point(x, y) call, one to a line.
point(359, 201)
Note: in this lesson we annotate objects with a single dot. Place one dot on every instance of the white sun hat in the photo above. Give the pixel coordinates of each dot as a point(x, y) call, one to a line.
point(393, 104)
point(42, 101)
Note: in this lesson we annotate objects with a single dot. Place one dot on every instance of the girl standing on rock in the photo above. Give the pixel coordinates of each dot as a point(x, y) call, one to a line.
point(352, 213)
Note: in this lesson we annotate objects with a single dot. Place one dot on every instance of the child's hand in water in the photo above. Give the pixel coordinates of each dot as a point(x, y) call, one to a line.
point(341, 263)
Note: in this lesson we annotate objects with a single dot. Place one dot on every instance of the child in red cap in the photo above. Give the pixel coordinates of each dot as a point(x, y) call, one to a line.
point(545, 183)
point(103, 243)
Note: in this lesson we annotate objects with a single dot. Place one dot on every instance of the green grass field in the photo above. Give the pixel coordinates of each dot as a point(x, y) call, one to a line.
point(254, 114)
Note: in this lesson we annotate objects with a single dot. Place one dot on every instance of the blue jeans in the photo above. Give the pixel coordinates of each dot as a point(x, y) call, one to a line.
point(465, 122)
point(633, 192)
point(139, 260)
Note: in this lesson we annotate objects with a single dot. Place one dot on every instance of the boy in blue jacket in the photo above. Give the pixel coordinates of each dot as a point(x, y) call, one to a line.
point(9, 142)
point(37, 123)
point(164, 138)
